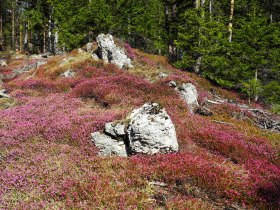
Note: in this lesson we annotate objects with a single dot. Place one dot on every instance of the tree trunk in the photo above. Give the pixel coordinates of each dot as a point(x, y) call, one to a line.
point(256, 94)
point(197, 4)
point(202, 2)
point(230, 25)
point(13, 26)
point(197, 65)
point(1, 32)
point(56, 37)
point(25, 43)
point(21, 37)
point(44, 40)
point(210, 7)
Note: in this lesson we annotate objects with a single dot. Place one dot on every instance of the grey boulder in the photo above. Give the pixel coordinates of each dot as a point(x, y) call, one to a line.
point(151, 131)
point(111, 53)
point(189, 93)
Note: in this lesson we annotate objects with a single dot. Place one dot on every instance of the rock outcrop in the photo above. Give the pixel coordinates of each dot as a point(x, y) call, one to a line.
point(110, 52)
point(149, 131)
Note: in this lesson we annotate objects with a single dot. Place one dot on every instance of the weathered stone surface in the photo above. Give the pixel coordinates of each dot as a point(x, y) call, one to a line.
point(111, 53)
point(108, 146)
point(115, 130)
point(151, 131)
point(189, 93)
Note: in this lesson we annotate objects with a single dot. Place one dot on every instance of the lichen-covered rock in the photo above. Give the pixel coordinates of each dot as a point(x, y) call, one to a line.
point(151, 131)
point(111, 53)
point(108, 146)
point(189, 93)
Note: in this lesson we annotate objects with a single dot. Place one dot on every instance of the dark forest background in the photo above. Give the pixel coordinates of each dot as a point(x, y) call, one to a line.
point(235, 43)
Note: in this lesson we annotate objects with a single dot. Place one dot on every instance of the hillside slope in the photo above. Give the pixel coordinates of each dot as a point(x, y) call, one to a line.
point(47, 159)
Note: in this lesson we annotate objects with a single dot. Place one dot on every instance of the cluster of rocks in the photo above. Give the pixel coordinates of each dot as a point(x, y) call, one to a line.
point(149, 130)
point(109, 52)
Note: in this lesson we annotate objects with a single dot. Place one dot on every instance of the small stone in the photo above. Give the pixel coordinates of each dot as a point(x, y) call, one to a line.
point(89, 47)
point(172, 84)
point(162, 75)
point(108, 146)
point(68, 74)
point(3, 63)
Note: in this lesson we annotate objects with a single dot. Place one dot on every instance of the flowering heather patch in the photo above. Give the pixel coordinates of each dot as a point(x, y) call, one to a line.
point(146, 61)
point(55, 118)
point(233, 144)
point(48, 161)
point(130, 51)
point(208, 173)
point(35, 84)
point(114, 90)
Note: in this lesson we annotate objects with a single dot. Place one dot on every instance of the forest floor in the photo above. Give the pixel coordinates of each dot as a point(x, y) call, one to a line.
point(47, 159)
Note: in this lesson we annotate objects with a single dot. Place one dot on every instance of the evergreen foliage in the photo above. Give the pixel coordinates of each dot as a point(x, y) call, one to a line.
point(193, 33)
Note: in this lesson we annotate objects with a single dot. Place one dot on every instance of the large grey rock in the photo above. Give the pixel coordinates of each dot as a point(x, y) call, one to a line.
point(189, 93)
point(108, 146)
point(151, 131)
point(110, 52)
